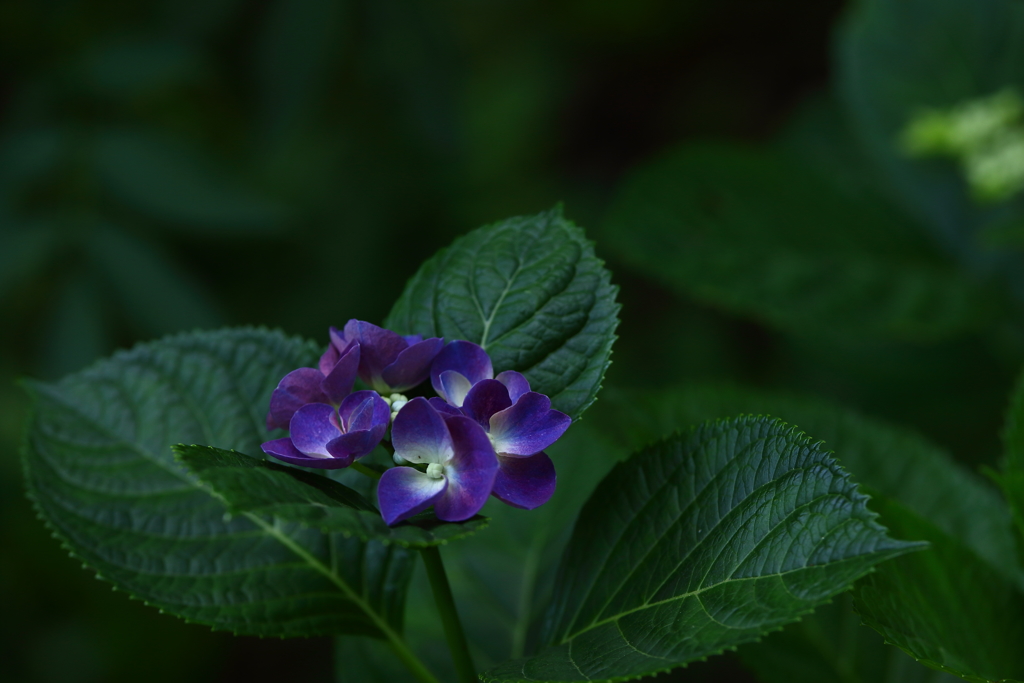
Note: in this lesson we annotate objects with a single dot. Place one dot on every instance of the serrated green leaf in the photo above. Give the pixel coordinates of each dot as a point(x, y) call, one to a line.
point(700, 543)
point(945, 607)
point(891, 460)
point(100, 469)
point(756, 233)
point(530, 291)
point(249, 485)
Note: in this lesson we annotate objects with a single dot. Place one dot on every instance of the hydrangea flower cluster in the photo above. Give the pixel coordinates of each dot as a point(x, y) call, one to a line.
point(482, 435)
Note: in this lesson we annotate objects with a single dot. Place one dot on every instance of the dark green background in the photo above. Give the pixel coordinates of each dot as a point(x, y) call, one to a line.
point(173, 164)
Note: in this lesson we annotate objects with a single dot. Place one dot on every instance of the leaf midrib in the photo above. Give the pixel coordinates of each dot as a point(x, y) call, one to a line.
point(702, 589)
point(666, 481)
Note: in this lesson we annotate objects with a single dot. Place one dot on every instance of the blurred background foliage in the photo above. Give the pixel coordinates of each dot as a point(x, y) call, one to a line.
point(178, 164)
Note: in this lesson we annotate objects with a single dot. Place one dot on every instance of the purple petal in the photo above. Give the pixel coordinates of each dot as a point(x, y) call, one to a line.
point(516, 383)
point(525, 482)
point(443, 407)
point(364, 410)
point(296, 389)
point(329, 359)
point(527, 427)
point(379, 349)
point(466, 358)
point(284, 450)
point(355, 444)
point(411, 339)
point(338, 339)
point(420, 434)
point(453, 387)
point(338, 382)
point(312, 427)
point(412, 365)
point(487, 397)
point(404, 491)
point(470, 472)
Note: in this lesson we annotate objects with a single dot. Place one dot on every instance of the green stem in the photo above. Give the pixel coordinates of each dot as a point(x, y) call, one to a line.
point(449, 615)
point(363, 469)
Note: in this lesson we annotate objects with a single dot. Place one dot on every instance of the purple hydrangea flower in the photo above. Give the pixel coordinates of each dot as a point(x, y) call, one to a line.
point(329, 438)
point(330, 384)
point(461, 364)
point(519, 423)
point(461, 465)
point(388, 362)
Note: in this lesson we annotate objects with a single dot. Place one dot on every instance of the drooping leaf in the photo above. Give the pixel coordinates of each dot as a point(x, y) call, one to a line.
point(757, 233)
point(100, 469)
point(249, 485)
point(700, 543)
point(173, 183)
point(945, 607)
point(531, 292)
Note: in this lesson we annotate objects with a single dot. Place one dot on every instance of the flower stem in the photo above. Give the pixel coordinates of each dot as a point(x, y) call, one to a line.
point(363, 469)
point(449, 615)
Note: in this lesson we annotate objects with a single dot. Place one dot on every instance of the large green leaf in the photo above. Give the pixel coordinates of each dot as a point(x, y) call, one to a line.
point(101, 472)
point(700, 543)
point(945, 607)
point(757, 233)
point(255, 486)
point(531, 292)
point(894, 461)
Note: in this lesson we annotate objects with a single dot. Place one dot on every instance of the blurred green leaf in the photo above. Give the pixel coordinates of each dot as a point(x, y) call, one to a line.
point(195, 20)
point(101, 473)
point(758, 234)
point(137, 65)
point(833, 645)
point(173, 182)
point(248, 485)
point(366, 660)
point(26, 154)
point(76, 333)
point(24, 250)
point(699, 543)
point(300, 39)
point(155, 293)
point(899, 58)
point(531, 292)
point(945, 607)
